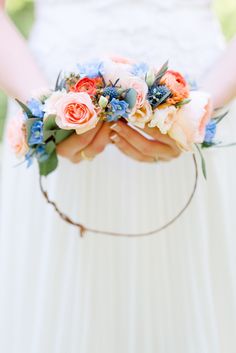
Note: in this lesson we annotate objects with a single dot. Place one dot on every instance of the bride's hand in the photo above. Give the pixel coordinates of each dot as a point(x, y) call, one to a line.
point(91, 143)
point(136, 146)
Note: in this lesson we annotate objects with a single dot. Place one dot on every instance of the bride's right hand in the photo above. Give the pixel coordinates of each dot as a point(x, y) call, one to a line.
point(91, 143)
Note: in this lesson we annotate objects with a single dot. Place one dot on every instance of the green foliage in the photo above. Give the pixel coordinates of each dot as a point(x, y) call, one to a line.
point(48, 166)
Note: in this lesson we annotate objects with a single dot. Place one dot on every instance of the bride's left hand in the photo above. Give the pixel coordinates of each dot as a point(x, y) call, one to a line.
point(136, 146)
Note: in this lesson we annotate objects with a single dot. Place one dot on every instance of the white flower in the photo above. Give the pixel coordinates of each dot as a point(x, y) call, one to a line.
point(163, 118)
point(41, 94)
point(141, 116)
point(50, 103)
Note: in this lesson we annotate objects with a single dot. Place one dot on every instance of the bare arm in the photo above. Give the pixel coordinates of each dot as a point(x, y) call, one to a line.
point(19, 74)
point(221, 80)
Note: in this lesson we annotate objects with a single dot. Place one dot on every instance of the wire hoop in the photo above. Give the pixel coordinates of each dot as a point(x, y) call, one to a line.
point(83, 229)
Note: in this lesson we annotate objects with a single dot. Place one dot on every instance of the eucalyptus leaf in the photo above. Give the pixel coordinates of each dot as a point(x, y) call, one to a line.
point(162, 71)
point(130, 97)
point(48, 166)
point(25, 108)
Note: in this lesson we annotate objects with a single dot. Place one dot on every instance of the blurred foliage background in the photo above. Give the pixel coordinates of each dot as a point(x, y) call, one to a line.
point(22, 13)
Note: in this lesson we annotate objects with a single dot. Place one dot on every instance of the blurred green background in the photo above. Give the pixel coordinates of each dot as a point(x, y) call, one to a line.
point(22, 13)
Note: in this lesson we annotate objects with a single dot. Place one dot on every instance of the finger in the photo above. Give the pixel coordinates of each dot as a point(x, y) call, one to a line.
point(96, 146)
point(157, 135)
point(75, 143)
point(125, 147)
point(142, 144)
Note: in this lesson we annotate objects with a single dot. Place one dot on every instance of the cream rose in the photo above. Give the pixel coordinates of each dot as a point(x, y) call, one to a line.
point(163, 118)
point(141, 116)
point(191, 120)
point(76, 111)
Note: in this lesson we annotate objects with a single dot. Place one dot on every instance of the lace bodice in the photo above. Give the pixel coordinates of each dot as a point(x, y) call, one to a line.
point(184, 31)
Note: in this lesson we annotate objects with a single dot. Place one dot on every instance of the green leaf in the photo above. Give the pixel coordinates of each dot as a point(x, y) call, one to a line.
point(203, 163)
point(183, 102)
point(29, 124)
point(48, 166)
point(50, 147)
point(130, 97)
point(50, 123)
point(61, 135)
point(25, 108)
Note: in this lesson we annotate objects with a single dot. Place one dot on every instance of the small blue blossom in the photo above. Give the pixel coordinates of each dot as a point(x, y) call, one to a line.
point(118, 109)
point(91, 69)
point(139, 69)
point(210, 131)
point(29, 158)
point(41, 154)
point(36, 133)
point(36, 108)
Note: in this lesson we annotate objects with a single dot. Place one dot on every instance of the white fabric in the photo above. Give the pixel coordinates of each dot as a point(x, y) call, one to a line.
point(172, 292)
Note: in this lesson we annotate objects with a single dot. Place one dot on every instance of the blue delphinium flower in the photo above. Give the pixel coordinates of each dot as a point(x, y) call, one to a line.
point(36, 108)
point(118, 109)
point(41, 154)
point(29, 158)
point(210, 132)
point(139, 69)
point(91, 69)
point(36, 133)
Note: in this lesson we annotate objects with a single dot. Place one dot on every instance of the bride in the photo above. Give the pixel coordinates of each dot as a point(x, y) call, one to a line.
point(172, 292)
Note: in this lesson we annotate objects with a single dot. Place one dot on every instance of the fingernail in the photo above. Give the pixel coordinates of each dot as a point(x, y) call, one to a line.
point(116, 127)
point(115, 138)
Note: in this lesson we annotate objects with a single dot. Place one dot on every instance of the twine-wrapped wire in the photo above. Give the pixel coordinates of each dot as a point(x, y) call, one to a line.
point(83, 229)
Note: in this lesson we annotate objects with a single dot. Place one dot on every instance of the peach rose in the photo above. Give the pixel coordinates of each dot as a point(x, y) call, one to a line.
point(16, 134)
point(163, 118)
point(76, 111)
point(141, 116)
point(177, 85)
point(191, 120)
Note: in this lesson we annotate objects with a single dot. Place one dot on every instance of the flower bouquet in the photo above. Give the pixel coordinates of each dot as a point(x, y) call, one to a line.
point(108, 90)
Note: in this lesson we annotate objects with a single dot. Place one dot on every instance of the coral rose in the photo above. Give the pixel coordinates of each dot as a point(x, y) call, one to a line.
point(191, 120)
point(16, 134)
point(88, 85)
point(177, 85)
point(76, 111)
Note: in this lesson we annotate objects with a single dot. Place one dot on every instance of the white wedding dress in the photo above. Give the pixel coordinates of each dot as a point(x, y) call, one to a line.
point(173, 292)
